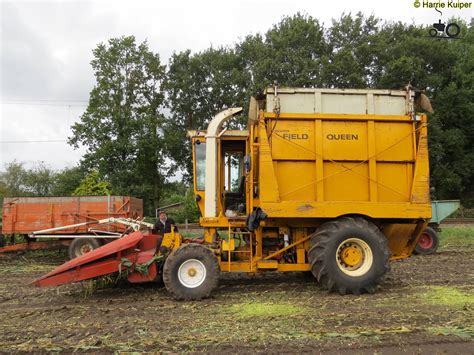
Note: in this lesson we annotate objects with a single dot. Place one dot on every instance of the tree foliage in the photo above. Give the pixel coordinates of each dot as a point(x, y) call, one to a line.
point(176, 192)
point(199, 86)
point(122, 125)
point(67, 180)
point(92, 185)
point(20, 181)
point(16, 180)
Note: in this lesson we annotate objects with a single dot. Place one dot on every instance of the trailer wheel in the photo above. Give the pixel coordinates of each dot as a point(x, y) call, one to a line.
point(349, 255)
point(191, 272)
point(428, 242)
point(2, 240)
point(81, 246)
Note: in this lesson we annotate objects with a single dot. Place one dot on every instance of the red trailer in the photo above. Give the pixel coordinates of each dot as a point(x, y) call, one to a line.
point(27, 215)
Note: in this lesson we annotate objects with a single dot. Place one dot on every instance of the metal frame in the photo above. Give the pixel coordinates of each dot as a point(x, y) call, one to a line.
point(135, 224)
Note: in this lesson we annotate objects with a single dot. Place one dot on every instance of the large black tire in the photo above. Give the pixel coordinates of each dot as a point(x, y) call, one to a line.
point(452, 30)
point(2, 240)
point(349, 255)
point(191, 272)
point(428, 242)
point(81, 246)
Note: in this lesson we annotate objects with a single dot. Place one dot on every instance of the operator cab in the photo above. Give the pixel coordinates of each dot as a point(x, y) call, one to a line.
point(233, 201)
point(229, 166)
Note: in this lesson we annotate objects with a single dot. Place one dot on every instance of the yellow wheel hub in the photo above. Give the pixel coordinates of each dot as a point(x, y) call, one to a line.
point(351, 256)
point(192, 272)
point(354, 257)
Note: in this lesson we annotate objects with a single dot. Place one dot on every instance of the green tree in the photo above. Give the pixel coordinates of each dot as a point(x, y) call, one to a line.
point(122, 126)
point(67, 180)
point(293, 53)
point(13, 179)
point(39, 180)
point(198, 86)
point(20, 181)
point(353, 52)
point(176, 192)
point(92, 185)
point(452, 124)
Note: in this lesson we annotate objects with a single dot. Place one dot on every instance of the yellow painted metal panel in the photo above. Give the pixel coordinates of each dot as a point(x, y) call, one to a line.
point(293, 140)
point(268, 185)
point(332, 209)
point(228, 245)
point(394, 141)
point(420, 192)
point(319, 160)
point(246, 267)
point(339, 117)
point(399, 238)
point(344, 140)
point(296, 180)
point(373, 188)
point(394, 181)
point(346, 181)
point(267, 264)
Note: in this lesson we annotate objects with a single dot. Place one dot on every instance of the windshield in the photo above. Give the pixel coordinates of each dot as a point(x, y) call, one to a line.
point(200, 152)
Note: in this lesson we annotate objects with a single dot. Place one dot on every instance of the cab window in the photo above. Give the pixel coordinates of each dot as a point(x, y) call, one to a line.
point(200, 153)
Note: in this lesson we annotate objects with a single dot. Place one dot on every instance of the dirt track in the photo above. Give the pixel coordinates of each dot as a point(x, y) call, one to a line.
point(426, 304)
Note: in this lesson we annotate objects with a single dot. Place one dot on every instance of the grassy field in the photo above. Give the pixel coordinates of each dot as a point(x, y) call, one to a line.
point(455, 236)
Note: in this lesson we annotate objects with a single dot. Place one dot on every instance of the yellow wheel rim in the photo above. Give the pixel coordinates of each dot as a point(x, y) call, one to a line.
point(354, 257)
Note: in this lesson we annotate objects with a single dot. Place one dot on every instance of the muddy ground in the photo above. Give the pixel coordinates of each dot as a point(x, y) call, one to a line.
point(425, 305)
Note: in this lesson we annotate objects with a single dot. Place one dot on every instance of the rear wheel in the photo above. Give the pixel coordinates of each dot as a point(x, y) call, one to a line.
point(191, 272)
point(428, 242)
point(2, 240)
point(452, 30)
point(81, 246)
point(349, 255)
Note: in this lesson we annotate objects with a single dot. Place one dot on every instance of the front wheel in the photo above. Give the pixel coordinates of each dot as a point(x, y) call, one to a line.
point(433, 32)
point(428, 242)
point(349, 255)
point(191, 272)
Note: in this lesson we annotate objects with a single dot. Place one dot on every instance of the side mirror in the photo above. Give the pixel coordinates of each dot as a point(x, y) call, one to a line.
point(247, 163)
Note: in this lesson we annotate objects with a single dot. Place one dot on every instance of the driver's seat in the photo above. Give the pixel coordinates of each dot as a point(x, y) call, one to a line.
point(232, 200)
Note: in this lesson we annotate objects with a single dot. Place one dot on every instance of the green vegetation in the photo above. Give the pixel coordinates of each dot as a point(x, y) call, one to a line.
point(446, 296)
point(92, 185)
point(453, 236)
point(122, 125)
point(463, 212)
point(264, 309)
point(177, 192)
point(26, 267)
point(462, 332)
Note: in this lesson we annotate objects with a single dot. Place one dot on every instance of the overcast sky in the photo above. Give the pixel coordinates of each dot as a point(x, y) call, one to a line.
point(46, 48)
